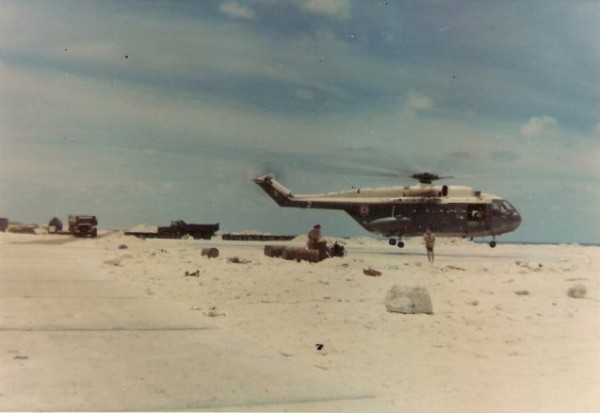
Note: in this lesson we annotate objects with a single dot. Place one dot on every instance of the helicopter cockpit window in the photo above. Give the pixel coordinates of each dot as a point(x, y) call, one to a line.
point(496, 208)
point(502, 208)
point(508, 207)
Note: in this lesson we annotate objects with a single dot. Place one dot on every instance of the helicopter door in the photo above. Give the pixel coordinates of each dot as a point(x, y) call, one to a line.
point(476, 213)
point(488, 217)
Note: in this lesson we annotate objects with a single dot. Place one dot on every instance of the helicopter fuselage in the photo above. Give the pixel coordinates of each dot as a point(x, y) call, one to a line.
point(400, 211)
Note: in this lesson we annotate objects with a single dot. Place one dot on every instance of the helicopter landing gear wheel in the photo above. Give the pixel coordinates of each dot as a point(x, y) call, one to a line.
point(400, 244)
point(392, 241)
point(493, 243)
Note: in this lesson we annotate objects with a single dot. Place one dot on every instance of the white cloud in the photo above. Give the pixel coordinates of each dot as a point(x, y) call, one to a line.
point(542, 126)
point(339, 9)
point(414, 103)
point(418, 102)
point(237, 10)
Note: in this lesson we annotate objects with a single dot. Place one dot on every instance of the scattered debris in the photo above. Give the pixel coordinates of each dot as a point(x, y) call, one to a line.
point(192, 274)
point(21, 357)
point(408, 300)
point(453, 267)
point(123, 247)
point(237, 260)
point(529, 266)
point(210, 252)
point(522, 292)
point(212, 312)
point(577, 291)
point(162, 251)
point(321, 349)
point(371, 272)
point(115, 262)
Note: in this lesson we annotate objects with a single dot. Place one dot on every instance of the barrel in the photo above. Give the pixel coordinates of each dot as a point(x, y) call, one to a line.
point(210, 252)
point(290, 253)
point(307, 255)
point(274, 250)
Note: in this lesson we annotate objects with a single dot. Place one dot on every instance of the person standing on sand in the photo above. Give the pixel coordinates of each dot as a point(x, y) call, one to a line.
point(314, 237)
point(429, 239)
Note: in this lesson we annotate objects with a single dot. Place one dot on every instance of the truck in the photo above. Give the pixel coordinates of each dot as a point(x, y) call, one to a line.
point(83, 225)
point(179, 229)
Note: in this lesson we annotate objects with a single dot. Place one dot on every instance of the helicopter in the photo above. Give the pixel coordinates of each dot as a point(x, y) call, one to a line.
point(406, 211)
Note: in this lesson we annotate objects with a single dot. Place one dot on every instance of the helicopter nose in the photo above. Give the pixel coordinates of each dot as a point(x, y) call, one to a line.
point(516, 219)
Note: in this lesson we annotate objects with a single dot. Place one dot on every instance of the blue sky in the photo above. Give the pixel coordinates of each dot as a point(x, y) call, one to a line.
point(143, 112)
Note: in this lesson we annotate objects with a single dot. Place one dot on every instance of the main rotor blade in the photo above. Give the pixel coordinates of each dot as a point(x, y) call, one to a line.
point(350, 165)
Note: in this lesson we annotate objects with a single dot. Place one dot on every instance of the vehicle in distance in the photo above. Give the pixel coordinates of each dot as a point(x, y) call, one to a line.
point(179, 229)
point(83, 225)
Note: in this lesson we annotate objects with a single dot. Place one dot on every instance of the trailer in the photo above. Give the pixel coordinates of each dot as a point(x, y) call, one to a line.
point(179, 229)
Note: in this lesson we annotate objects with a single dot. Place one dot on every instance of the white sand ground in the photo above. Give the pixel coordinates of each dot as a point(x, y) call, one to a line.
point(504, 335)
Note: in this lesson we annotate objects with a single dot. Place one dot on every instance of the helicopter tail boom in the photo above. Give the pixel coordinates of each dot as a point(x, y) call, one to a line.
point(280, 194)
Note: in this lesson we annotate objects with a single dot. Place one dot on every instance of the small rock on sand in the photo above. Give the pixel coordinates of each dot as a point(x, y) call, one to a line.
point(237, 260)
point(577, 291)
point(371, 272)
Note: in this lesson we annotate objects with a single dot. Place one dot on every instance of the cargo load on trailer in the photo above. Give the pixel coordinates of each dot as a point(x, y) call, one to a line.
point(179, 229)
point(253, 236)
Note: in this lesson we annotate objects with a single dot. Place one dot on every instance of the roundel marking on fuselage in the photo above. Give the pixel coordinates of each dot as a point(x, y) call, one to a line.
point(364, 210)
